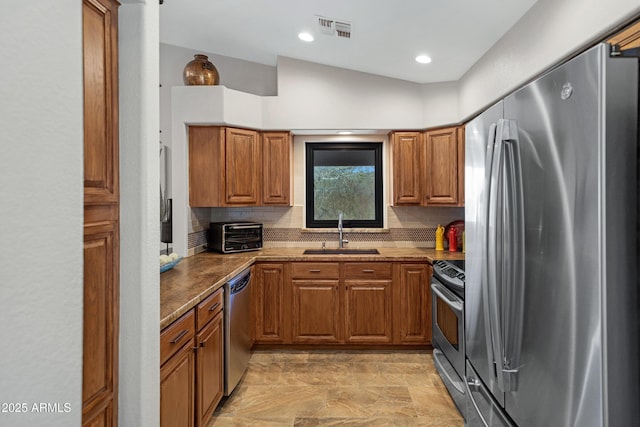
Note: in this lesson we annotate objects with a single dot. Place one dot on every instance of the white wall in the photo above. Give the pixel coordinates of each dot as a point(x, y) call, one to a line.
point(139, 361)
point(315, 96)
point(299, 162)
point(41, 209)
point(318, 97)
point(549, 32)
point(439, 104)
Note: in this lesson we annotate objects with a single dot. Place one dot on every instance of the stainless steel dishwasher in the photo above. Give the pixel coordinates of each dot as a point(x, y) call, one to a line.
point(237, 329)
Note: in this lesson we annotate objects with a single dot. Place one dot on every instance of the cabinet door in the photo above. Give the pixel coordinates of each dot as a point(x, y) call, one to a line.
point(441, 167)
point(206, 166)
point(268, 288)
point(316, 311)
point(100, 326)
point(406, 149)
point(368, 312)
point(100, 57)
point(177, 389)
point(415, 304)
point(101, 213)
point(243, 167)
point(210, 375)
point(276, 163)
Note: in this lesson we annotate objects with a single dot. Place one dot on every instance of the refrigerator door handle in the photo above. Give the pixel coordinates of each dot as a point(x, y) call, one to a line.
point(495, 253)
point(483, 221)
point(513, 256)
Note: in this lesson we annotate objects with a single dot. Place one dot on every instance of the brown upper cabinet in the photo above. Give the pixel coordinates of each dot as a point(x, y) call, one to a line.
point(276, 163)
point(242, 166)
point(238, 167)
point(428, 167)
point(442, 169)
point(629, 38)
point(406, 147)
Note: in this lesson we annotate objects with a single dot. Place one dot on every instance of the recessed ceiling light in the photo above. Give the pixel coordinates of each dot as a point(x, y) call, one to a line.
point(345, 132)
point(305, 37)
point(423, 59)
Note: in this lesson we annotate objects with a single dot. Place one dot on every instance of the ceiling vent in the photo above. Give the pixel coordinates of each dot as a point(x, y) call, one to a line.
point(333, 27)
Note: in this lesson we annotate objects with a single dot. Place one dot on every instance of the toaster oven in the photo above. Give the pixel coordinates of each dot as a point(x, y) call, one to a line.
point(241, 236)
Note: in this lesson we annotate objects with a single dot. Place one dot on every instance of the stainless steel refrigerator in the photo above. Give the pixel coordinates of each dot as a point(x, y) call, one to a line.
point(551, 301)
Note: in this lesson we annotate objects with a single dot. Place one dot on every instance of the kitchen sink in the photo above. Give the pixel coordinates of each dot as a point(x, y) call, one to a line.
point(342, 251)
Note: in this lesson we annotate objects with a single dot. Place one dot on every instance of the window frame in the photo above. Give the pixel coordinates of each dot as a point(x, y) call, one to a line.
point(310, 148)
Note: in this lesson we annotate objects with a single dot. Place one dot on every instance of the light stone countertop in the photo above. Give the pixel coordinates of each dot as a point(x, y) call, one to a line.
point(196, 277)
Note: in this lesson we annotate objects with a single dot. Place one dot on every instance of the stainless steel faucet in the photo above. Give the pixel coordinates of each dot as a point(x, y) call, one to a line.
point(341, 240)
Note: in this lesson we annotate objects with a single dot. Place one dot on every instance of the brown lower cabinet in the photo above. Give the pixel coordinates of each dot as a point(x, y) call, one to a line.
point(177, 388)
point(316, 311)
point(368, 303)
point(191, 372)
point(267, 284)
point(415, 303)
point(210, 366)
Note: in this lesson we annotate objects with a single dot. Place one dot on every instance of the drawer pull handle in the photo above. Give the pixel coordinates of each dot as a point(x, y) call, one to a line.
point(314, 271)
point(180, 335)
point(368, 271)
point(214, 306)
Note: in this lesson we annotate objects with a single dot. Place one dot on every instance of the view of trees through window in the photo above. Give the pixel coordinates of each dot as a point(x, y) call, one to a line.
point(347, 189)
point(347, 178)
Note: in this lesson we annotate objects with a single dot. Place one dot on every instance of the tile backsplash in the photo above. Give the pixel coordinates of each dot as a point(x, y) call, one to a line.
point(407, 226)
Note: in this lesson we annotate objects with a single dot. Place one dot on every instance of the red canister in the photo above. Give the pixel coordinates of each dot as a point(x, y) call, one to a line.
point(452, 236)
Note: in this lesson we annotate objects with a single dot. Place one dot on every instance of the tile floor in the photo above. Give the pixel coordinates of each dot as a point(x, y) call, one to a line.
point(339, 388)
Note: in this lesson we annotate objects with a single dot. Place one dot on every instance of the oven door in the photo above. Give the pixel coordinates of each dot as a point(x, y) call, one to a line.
point(448, 324)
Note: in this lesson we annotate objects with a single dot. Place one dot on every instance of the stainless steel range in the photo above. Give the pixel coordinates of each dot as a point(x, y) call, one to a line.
point(447, 296)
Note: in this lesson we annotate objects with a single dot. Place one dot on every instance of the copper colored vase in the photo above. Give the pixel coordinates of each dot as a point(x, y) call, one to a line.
point(200, 71)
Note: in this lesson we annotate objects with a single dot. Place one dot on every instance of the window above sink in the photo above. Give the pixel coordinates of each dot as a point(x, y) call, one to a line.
point(344, 177)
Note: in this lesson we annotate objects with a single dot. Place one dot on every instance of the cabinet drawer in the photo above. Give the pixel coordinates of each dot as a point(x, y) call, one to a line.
point(315, 270)
point(174, 336)
point(208, 308)
point(368, 270)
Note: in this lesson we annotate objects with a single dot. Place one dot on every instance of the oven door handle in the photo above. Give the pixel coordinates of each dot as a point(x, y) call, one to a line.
point(447, 296)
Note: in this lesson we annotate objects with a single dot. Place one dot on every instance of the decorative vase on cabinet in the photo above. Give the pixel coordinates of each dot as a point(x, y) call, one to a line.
point(200, 71)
